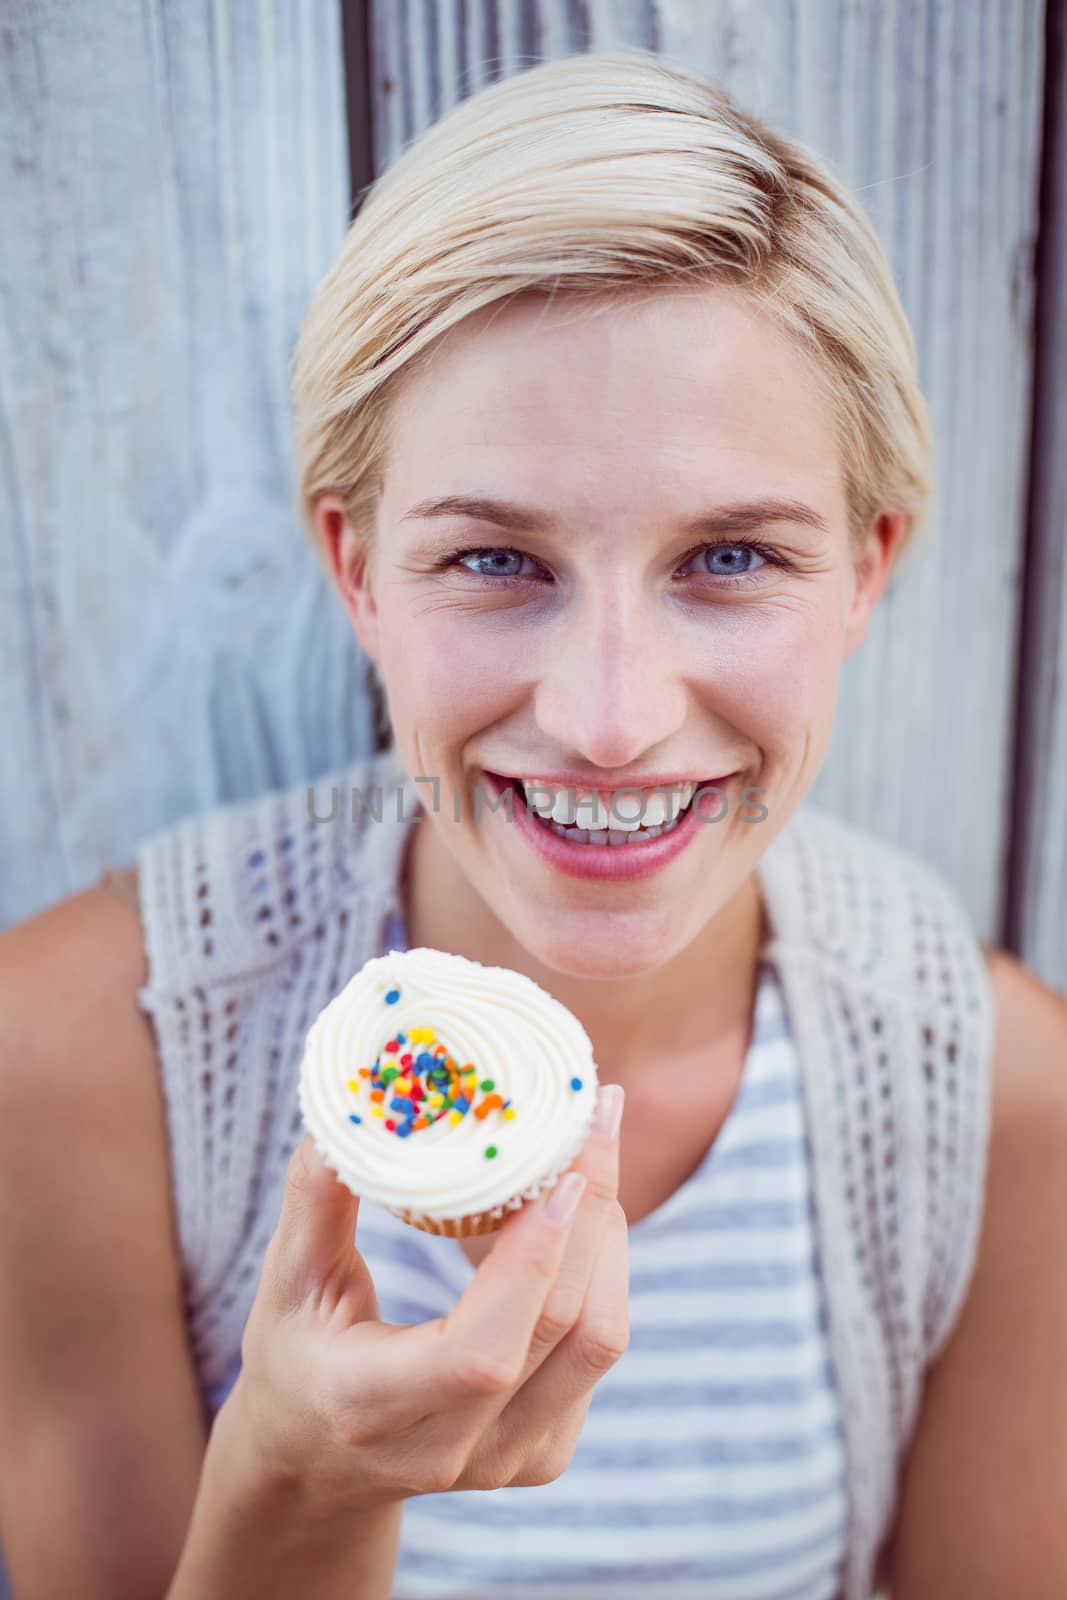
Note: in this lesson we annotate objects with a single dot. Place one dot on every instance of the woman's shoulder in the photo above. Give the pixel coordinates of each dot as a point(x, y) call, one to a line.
point(93, 1291)
point(1029, 1058)
point(82, 951)
point(77, 1054)
point(78, 1077)
point(69, 977)
point(987, 1464)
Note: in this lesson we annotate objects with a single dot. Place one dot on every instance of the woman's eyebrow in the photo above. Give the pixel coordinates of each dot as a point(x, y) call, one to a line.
point(737, 517)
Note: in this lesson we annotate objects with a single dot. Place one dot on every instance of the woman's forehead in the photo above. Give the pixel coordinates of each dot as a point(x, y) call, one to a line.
point(653, 394)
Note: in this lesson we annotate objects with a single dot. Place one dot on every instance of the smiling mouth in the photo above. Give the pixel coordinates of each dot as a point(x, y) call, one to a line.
point(611, 835)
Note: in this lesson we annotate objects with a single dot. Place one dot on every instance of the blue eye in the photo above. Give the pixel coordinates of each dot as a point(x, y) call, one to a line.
point(500, 562)
point(503, 565)
point(711, 552)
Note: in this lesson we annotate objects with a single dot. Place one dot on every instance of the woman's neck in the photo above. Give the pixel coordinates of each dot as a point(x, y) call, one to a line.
point(701, 999)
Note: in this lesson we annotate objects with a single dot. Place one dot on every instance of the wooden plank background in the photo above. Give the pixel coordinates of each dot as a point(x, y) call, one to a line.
point(1036, 921)
point(175, 183)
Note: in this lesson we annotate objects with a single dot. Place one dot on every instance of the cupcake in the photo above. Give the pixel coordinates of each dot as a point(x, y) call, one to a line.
point(447, 1091)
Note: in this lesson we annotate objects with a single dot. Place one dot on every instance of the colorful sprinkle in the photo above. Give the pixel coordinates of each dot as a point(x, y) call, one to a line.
point(424, 1085)
point(576, 1083)
point(490, 1152)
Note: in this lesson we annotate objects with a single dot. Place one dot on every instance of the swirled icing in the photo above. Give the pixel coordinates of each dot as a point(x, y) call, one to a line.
point(526, 1044)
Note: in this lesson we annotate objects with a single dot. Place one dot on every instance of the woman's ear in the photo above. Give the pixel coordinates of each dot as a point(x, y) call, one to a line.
point(348, 560)
point(871, 570)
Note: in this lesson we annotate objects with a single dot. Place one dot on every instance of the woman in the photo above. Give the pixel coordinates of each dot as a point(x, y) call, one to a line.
point(610, 439)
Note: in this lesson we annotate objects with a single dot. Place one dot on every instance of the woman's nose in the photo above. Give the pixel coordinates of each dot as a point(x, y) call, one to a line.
point(612, 689)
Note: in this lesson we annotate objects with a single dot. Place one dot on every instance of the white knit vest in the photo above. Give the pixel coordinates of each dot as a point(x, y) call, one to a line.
point(256, 914)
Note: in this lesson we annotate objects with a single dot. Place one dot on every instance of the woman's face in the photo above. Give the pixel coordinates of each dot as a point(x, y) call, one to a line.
point(605, 625)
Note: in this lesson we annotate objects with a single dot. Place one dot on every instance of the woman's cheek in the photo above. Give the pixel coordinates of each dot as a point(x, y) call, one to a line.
point(770, 672)
point(455, 680)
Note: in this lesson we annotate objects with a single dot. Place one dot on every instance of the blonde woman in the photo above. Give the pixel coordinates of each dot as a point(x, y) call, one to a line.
point(609, 439)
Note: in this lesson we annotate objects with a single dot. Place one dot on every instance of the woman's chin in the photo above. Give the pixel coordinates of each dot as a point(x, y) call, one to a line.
point(604, 953)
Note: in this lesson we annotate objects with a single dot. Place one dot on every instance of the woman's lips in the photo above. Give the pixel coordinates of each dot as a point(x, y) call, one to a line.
point(608, 863)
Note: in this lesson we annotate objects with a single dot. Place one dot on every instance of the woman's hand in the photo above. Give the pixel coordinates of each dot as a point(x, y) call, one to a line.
point(361, 1413)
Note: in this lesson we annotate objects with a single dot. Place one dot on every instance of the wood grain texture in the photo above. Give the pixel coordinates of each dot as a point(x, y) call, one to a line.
point(1037, 910)
point(931, 111)
point(175, 183)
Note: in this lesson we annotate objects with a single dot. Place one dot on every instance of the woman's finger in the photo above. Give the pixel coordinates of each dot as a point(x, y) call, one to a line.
point(452, 1367)
point(562, 1385)
point(488, 1330)
point(315, 1233)
point(516, 1320)
point(599, 1160)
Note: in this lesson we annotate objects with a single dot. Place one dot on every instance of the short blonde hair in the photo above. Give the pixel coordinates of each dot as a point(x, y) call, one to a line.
point(600, 173)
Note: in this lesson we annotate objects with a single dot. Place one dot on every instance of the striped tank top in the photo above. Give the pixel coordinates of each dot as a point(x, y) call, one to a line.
point(712, 1456)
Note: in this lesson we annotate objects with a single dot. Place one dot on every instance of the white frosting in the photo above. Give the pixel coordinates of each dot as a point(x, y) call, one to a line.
point(526, 1041)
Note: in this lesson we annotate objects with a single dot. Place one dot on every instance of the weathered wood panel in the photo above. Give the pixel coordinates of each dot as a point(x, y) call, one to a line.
point(175, 183)
point(930, 109)
point(1037, 910)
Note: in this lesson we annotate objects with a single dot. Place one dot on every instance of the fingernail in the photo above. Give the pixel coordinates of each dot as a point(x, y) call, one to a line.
point(608, 1116)
point(563, 1200)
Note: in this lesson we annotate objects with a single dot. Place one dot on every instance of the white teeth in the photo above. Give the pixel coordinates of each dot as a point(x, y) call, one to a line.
point(630, 810)
point(575, 835)
point(563, 810)
point(592, 813)
point(679, 799)
point(539, 797)
point(605, 812)
point(591, 819)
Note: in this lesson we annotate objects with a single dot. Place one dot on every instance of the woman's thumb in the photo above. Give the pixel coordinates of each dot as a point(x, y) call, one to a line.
point(315, 1236)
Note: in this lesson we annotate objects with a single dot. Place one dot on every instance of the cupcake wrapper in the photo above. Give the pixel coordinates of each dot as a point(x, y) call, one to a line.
point(480, 1222)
